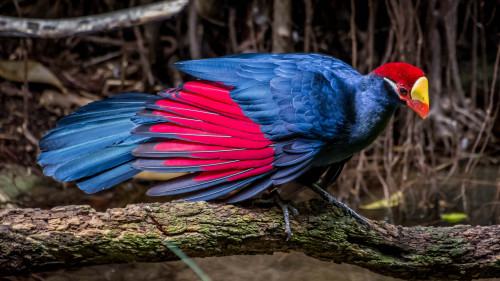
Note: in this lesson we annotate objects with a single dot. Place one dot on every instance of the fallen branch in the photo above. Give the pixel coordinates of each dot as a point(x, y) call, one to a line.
point(33, 240)
point(58, 28)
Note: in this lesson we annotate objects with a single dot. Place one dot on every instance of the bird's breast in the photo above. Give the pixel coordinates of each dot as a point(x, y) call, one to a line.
point(361, 136)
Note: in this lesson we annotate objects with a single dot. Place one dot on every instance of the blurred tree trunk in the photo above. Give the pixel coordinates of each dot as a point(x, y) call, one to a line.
point(433, 53)
point(449, 12)
point(33, 240)
point(282, 26)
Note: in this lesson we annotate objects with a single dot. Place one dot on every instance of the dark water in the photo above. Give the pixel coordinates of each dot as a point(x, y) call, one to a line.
point(277, 267)
point(482, 205)
point(280, 266)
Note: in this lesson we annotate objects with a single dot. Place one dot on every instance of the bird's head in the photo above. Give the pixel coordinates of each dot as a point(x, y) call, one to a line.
point(409, 83)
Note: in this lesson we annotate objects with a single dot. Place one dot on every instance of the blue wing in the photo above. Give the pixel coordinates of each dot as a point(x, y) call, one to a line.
point(301, 101)
point(289, 95)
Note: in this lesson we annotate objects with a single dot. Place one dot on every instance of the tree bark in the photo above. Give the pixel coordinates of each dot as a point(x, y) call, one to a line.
point(33, 240)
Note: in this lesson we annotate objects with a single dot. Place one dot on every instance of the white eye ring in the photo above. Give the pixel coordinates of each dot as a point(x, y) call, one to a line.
point(393, 85)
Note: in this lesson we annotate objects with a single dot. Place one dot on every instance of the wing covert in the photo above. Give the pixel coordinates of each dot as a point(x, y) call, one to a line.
point(289, 96)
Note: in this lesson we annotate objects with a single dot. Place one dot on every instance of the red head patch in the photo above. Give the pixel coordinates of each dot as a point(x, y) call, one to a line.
point(400, 72)
point(409, 83)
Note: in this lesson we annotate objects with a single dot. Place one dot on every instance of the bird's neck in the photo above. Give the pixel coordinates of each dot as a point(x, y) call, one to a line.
point(374, 108)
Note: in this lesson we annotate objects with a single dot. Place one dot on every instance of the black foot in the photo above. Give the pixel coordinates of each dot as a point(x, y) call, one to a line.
point(332, 200)
point(286, 208)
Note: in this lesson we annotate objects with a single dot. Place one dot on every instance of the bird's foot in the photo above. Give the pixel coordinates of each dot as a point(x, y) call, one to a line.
point(332, 200)
point(286, 207)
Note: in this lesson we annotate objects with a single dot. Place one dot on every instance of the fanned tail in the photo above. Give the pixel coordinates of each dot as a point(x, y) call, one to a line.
point(93, 145)
point(196, 131)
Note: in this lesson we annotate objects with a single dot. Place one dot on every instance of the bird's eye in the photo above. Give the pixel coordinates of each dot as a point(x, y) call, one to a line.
point(403, 91)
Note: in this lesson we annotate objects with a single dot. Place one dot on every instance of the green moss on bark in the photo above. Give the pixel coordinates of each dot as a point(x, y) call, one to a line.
point(78, 235)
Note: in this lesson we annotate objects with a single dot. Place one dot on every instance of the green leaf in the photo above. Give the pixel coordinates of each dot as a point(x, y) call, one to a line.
point(454, 217)
point(394, 200)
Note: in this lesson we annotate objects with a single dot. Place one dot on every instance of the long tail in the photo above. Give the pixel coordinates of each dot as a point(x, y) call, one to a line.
point(93, 145)
point(196, 130)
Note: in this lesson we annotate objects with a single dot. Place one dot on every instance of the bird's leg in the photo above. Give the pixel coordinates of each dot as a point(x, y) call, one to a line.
point(286, 207)
point(274, 198)
point(332, 200)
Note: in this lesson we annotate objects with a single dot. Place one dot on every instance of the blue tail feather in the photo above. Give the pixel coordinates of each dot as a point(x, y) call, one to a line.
point(251, 190)
point(223, 189)
point(67, 136)
point(94, 163)
point(104, 115)
point(93, 145)
point(53, 159)
point(108, 178)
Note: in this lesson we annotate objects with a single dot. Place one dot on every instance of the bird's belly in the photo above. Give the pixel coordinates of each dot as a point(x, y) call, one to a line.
point(334, 154)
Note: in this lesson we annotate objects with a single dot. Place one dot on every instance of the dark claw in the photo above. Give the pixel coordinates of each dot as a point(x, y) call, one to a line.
point(286, 208)
point(332, 200)
point(292, 209)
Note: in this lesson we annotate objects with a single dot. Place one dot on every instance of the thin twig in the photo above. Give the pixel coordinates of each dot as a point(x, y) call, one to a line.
point(353, 34)
point(58, 28)
point(251, 28)
point(102, 59)
point(372, 6)
point(194, 43)
point(25, 88)
point(473, 86)
point(308, 25)
point(232, 30)
point(146, 67)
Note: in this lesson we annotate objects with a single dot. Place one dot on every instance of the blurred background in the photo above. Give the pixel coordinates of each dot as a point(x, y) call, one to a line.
point(438, 171)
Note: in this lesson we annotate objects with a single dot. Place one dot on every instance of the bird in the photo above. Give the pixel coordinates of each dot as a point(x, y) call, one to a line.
point(248, 123)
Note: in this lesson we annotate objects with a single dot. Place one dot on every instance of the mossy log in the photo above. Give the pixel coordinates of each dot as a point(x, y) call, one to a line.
point(33, 240)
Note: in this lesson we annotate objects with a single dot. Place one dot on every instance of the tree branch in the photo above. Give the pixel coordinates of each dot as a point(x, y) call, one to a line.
point(58, 28)
point(34, 240)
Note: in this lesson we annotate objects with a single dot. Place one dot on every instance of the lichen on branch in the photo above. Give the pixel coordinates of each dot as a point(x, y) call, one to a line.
point(34, 240)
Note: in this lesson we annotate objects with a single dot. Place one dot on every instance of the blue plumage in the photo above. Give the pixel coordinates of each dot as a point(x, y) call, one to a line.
point(95, 142)
point(107, 178)
point(291, 172)
point(251, 190)
point(287, 94)
point(53, 159)
point(93, 163)
point(305, 96)
point(316, 111)
point(223, 189)
point(186, 184)
point(71, 135)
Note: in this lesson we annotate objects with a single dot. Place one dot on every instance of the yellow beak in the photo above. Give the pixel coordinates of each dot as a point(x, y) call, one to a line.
point(420, 97)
